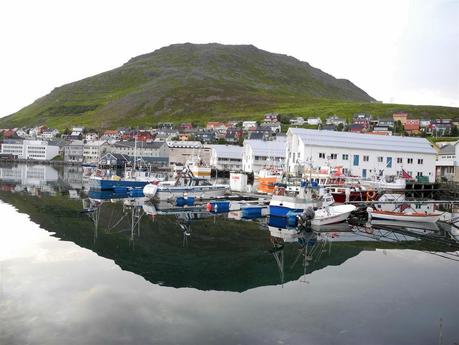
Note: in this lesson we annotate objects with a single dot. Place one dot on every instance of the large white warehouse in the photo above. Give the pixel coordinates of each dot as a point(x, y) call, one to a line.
point(361, 155)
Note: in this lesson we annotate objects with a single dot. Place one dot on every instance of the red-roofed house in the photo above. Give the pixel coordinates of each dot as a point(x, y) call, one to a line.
point(412, 126)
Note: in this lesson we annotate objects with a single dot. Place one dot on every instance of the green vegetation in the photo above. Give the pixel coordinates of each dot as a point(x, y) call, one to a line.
point(196, 83)
point(440, 139)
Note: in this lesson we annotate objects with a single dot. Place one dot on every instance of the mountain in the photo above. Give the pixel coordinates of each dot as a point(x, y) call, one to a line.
point(187, 80)
point(196, 82)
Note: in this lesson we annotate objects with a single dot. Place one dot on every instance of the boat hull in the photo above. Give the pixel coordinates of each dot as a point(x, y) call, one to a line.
point(419, 218)
point(334, 214)
point(100, 184)
point(340, 197)
point(281, 205)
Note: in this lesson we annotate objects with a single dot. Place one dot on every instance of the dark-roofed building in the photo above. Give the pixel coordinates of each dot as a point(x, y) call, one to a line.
point(141, 149)
point(113, 160)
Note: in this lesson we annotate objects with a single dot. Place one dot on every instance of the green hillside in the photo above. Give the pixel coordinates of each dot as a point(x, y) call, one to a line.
point(190, 82)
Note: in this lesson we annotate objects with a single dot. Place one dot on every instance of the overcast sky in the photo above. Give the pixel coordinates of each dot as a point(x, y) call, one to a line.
point(398, 51)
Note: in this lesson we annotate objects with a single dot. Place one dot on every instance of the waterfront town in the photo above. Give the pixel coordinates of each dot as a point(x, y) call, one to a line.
point(363, 147)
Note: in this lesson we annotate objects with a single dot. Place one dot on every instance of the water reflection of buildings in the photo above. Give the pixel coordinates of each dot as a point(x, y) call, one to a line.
point(35, 179)
point(29, 175)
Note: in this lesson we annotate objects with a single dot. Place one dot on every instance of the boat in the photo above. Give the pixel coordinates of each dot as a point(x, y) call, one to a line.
point(186, 184)
point(267, 178)
point(133, 178)
point(332, 214)
point(423, 217)
point(386, 183)
point(344, 194)
point(197, 167)
point(283, 202)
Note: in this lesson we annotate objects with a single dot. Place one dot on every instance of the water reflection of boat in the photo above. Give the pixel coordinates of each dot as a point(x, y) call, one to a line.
point(412, 226)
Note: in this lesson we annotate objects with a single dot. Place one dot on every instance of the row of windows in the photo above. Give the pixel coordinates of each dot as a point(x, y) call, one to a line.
point(380, 159)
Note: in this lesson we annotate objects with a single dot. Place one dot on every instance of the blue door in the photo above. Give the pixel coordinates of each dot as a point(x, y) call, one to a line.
point(364, 173)
point(356, 160)
point(389, 162)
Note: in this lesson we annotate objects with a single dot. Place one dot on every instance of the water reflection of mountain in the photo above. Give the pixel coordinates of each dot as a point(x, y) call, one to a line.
point(219, 254)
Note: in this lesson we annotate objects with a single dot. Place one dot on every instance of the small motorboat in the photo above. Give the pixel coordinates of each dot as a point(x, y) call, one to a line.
point(332, 214)
point(283, 202)
point(422, 217)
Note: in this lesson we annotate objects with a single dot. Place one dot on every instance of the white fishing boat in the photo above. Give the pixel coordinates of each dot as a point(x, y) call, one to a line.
point(185, 186)
point(282, 202)
point(332, 214)
point(423, 217)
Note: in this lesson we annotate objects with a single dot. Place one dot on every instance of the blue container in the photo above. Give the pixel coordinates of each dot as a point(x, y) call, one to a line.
point(291, 218)
point(219, 206)
point(251, 212)
point(182, 201)
point(190, 200)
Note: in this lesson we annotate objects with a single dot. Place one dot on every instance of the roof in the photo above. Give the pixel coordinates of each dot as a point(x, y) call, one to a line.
point(228, 151)
point(349, 140)
point(447, 150)
point(185, 144)
point(95, 143)
point(140, 144)
point(272, 148)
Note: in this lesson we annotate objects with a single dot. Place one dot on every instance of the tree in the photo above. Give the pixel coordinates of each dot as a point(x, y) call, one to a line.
point(340, 127)
point(454, 131)
point(66, 131)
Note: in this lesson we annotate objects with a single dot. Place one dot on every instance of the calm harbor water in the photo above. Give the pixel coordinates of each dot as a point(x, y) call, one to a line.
point(128, 272)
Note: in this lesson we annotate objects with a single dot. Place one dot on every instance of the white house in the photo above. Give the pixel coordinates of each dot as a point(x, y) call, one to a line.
point(93, 150)
point(258, 154)
point(298, 121)
point(30, 149)
point(226, 157)
point(314, 121)
point(361, 155)
point(445, 162)
point(248, 125)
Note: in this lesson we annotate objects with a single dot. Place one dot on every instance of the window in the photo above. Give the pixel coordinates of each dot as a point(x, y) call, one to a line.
point(321, 155)
point(333, 156)
point(410, 160)
point(419, 173)
point(389, 162)
point(420, 161)
point(345, 157)
point(399, 160)
point(356, 160)
point(366, 158)
point(380, 159)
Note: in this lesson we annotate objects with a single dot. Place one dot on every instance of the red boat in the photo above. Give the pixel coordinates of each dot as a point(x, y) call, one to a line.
point(339, 194)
